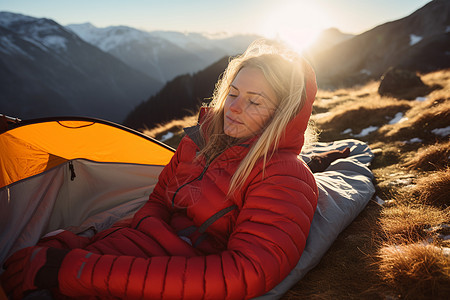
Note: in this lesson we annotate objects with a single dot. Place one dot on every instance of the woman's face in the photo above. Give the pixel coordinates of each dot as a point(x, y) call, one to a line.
point(250, 103)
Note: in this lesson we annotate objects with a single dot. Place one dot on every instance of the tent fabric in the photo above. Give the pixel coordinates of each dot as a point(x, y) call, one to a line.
point(56, 173)
point(99, 195)
point(31, 149)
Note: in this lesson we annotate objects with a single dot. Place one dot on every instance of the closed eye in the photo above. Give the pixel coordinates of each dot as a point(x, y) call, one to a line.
point(253, 102)
point(233, 91)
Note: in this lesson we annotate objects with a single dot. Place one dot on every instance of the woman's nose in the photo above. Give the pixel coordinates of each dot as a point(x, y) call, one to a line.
point(236, 105)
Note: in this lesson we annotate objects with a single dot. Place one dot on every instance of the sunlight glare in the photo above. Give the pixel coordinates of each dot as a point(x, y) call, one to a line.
point(297, 23)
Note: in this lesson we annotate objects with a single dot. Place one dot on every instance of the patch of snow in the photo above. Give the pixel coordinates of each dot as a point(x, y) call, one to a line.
point(421, 99)
point(108, 38)
point(365, 71)
point(346, 131)
point(401, 181)
point(366, 131)
point(167, 136)
point(55, 42)
point(415, 140)
point(398, 118)
point(414, 39)
point(441, 131)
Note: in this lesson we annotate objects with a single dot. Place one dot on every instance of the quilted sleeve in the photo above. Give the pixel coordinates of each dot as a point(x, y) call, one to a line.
point(266, 244)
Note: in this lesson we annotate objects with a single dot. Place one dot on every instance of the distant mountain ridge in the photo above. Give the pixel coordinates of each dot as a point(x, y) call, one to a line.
point(46, 70)
point(418, 42)
point(162, 54)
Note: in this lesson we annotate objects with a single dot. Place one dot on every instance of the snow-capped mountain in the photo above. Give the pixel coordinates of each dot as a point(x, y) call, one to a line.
point(42, 33)
point(48, 70)
point(162, 54)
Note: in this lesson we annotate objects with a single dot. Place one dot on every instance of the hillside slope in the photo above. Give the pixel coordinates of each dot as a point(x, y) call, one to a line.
point(418, 42)
point(179, 98)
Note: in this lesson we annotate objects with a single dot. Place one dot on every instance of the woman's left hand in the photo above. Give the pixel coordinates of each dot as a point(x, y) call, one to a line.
point(30, 269)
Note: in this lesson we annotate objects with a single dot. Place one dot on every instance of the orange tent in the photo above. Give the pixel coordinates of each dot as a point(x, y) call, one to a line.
point(61, 172)
point(38, 145)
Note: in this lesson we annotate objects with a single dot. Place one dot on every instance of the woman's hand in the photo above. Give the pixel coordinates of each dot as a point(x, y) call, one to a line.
point(30, 269)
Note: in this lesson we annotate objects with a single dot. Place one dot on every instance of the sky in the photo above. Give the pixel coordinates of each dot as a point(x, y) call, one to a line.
point(289, 20)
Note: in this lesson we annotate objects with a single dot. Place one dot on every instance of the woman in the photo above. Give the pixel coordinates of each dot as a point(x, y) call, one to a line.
point(230, 214)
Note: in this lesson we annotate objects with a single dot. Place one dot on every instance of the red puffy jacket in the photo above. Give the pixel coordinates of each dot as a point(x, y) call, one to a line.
point(191, 241)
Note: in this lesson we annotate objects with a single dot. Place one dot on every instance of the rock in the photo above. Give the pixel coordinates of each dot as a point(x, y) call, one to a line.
point(400, 83)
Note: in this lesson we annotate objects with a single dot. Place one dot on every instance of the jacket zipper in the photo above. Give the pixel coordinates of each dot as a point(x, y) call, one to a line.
point(199, 177)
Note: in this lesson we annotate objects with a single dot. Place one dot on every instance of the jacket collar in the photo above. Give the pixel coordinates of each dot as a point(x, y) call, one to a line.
point(294, 134)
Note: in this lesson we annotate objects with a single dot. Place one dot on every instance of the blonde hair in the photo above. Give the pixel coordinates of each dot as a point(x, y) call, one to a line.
point(284, 71)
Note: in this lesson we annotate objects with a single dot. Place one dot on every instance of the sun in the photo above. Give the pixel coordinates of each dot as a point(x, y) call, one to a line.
point(297, 23)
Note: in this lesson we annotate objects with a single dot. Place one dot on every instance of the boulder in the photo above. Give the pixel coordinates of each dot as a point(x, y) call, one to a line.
point(401, 83)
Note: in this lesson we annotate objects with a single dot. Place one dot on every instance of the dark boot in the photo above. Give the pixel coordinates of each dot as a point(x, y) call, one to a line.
point(319, 162)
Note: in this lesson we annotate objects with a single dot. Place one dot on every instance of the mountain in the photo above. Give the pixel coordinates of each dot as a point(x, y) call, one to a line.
point(327, 39)
point(180, 97)
point(418, 42)
point(47, 70)
point(162, 54)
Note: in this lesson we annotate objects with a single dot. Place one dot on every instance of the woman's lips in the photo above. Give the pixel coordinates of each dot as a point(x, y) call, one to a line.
point(233, 121)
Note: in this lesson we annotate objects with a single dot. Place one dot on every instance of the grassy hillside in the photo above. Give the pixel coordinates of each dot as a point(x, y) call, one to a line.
point(399, 246)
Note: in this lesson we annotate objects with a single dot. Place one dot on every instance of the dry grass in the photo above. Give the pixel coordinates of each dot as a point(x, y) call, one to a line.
point(417, 271)
point(381, 255)
point(175, 127)
point(422, 119)
point(404, 223)
point(416, 207)
point(359, 115)
point(434, 189)
point(430, 158)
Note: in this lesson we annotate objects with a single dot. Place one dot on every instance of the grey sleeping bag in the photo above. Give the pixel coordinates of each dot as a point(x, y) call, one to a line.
point(345, 188)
